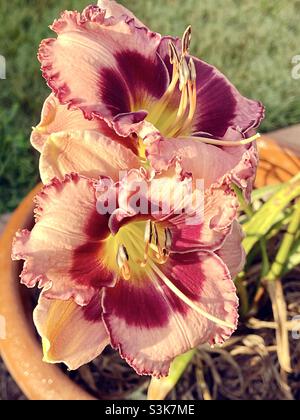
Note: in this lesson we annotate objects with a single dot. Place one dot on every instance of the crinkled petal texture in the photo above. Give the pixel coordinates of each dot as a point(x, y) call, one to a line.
point(206, 162)
point(88, 153)
point(56, 118)
point(103, 66)
point(220, 209)
point(71, 334)
point(63, 251)
point(150, 325)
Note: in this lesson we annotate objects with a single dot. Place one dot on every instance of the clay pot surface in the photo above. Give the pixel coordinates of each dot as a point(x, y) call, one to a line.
point(278, 163)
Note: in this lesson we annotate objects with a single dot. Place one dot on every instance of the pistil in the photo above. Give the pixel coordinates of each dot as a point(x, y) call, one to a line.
point(226, 143)
point(188, 301)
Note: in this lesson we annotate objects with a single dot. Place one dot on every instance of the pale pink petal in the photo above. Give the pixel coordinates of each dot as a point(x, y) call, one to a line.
point(232, 251)
point(219, 212)
point(103, 66)
point(88, 153)
point(116, 10)
point(56, 118)
point(71, 334)
point(150, 325)
point(206, 162)
point(63, 250)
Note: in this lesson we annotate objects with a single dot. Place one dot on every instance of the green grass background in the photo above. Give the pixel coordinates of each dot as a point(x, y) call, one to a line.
point(251, 41)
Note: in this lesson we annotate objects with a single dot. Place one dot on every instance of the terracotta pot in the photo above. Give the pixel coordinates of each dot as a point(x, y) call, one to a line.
point(19, 345)
point(278, 163)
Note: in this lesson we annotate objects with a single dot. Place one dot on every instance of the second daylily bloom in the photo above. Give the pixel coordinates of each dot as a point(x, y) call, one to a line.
point(150, 285)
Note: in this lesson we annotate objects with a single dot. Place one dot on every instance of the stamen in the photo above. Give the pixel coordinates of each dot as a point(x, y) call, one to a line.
point(186, 40)
point(216, 142)
point(168, 239)
point(148, 238)
point(174, 56)
point(159, 108)
point(165, 252)
point(188, 301)
point(182, 106)
point(187, 78)
point(122, 262)
point(155, 236)
point(193, 72)
point(192, 100)
point(148, 231)
point(175, 61)
point(184, 74)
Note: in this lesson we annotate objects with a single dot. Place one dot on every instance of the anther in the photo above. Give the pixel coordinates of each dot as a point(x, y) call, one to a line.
point(192, 68)
point(148, 231)
point(174, 56)
point(168, 239)
point(186, 40)
point(155, 236)
point(122, 262)
point(148, 239)
point(184, 74)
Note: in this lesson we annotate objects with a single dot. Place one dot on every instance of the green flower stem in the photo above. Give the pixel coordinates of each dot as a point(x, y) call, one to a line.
point(243, 294)
point(160, 388)
point(281, 259)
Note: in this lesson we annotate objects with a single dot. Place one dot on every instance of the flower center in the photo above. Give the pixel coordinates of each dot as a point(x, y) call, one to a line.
point(173, 114)
point(132, 250)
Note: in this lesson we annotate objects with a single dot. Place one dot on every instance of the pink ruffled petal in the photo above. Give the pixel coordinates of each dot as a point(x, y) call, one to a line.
point(71, 334)
point(220, 210)
point(168, 198)
point(103, 66)
point(206, 162)
point(232, 251)
point(116, 10)
point(150, 325)
point(63, 251)
point(56, 118)
point(88, 153)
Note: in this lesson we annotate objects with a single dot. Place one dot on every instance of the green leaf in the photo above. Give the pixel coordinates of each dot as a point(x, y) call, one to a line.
point(160, 388)
point(269, 214)
point(294, 257)
point(266, 191)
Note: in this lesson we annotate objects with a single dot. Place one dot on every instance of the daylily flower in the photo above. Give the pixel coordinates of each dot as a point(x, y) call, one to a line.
point(150, 90)
point(152, 286)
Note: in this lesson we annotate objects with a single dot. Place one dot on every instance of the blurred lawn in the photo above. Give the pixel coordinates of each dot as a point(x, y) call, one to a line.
point(252, 42)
